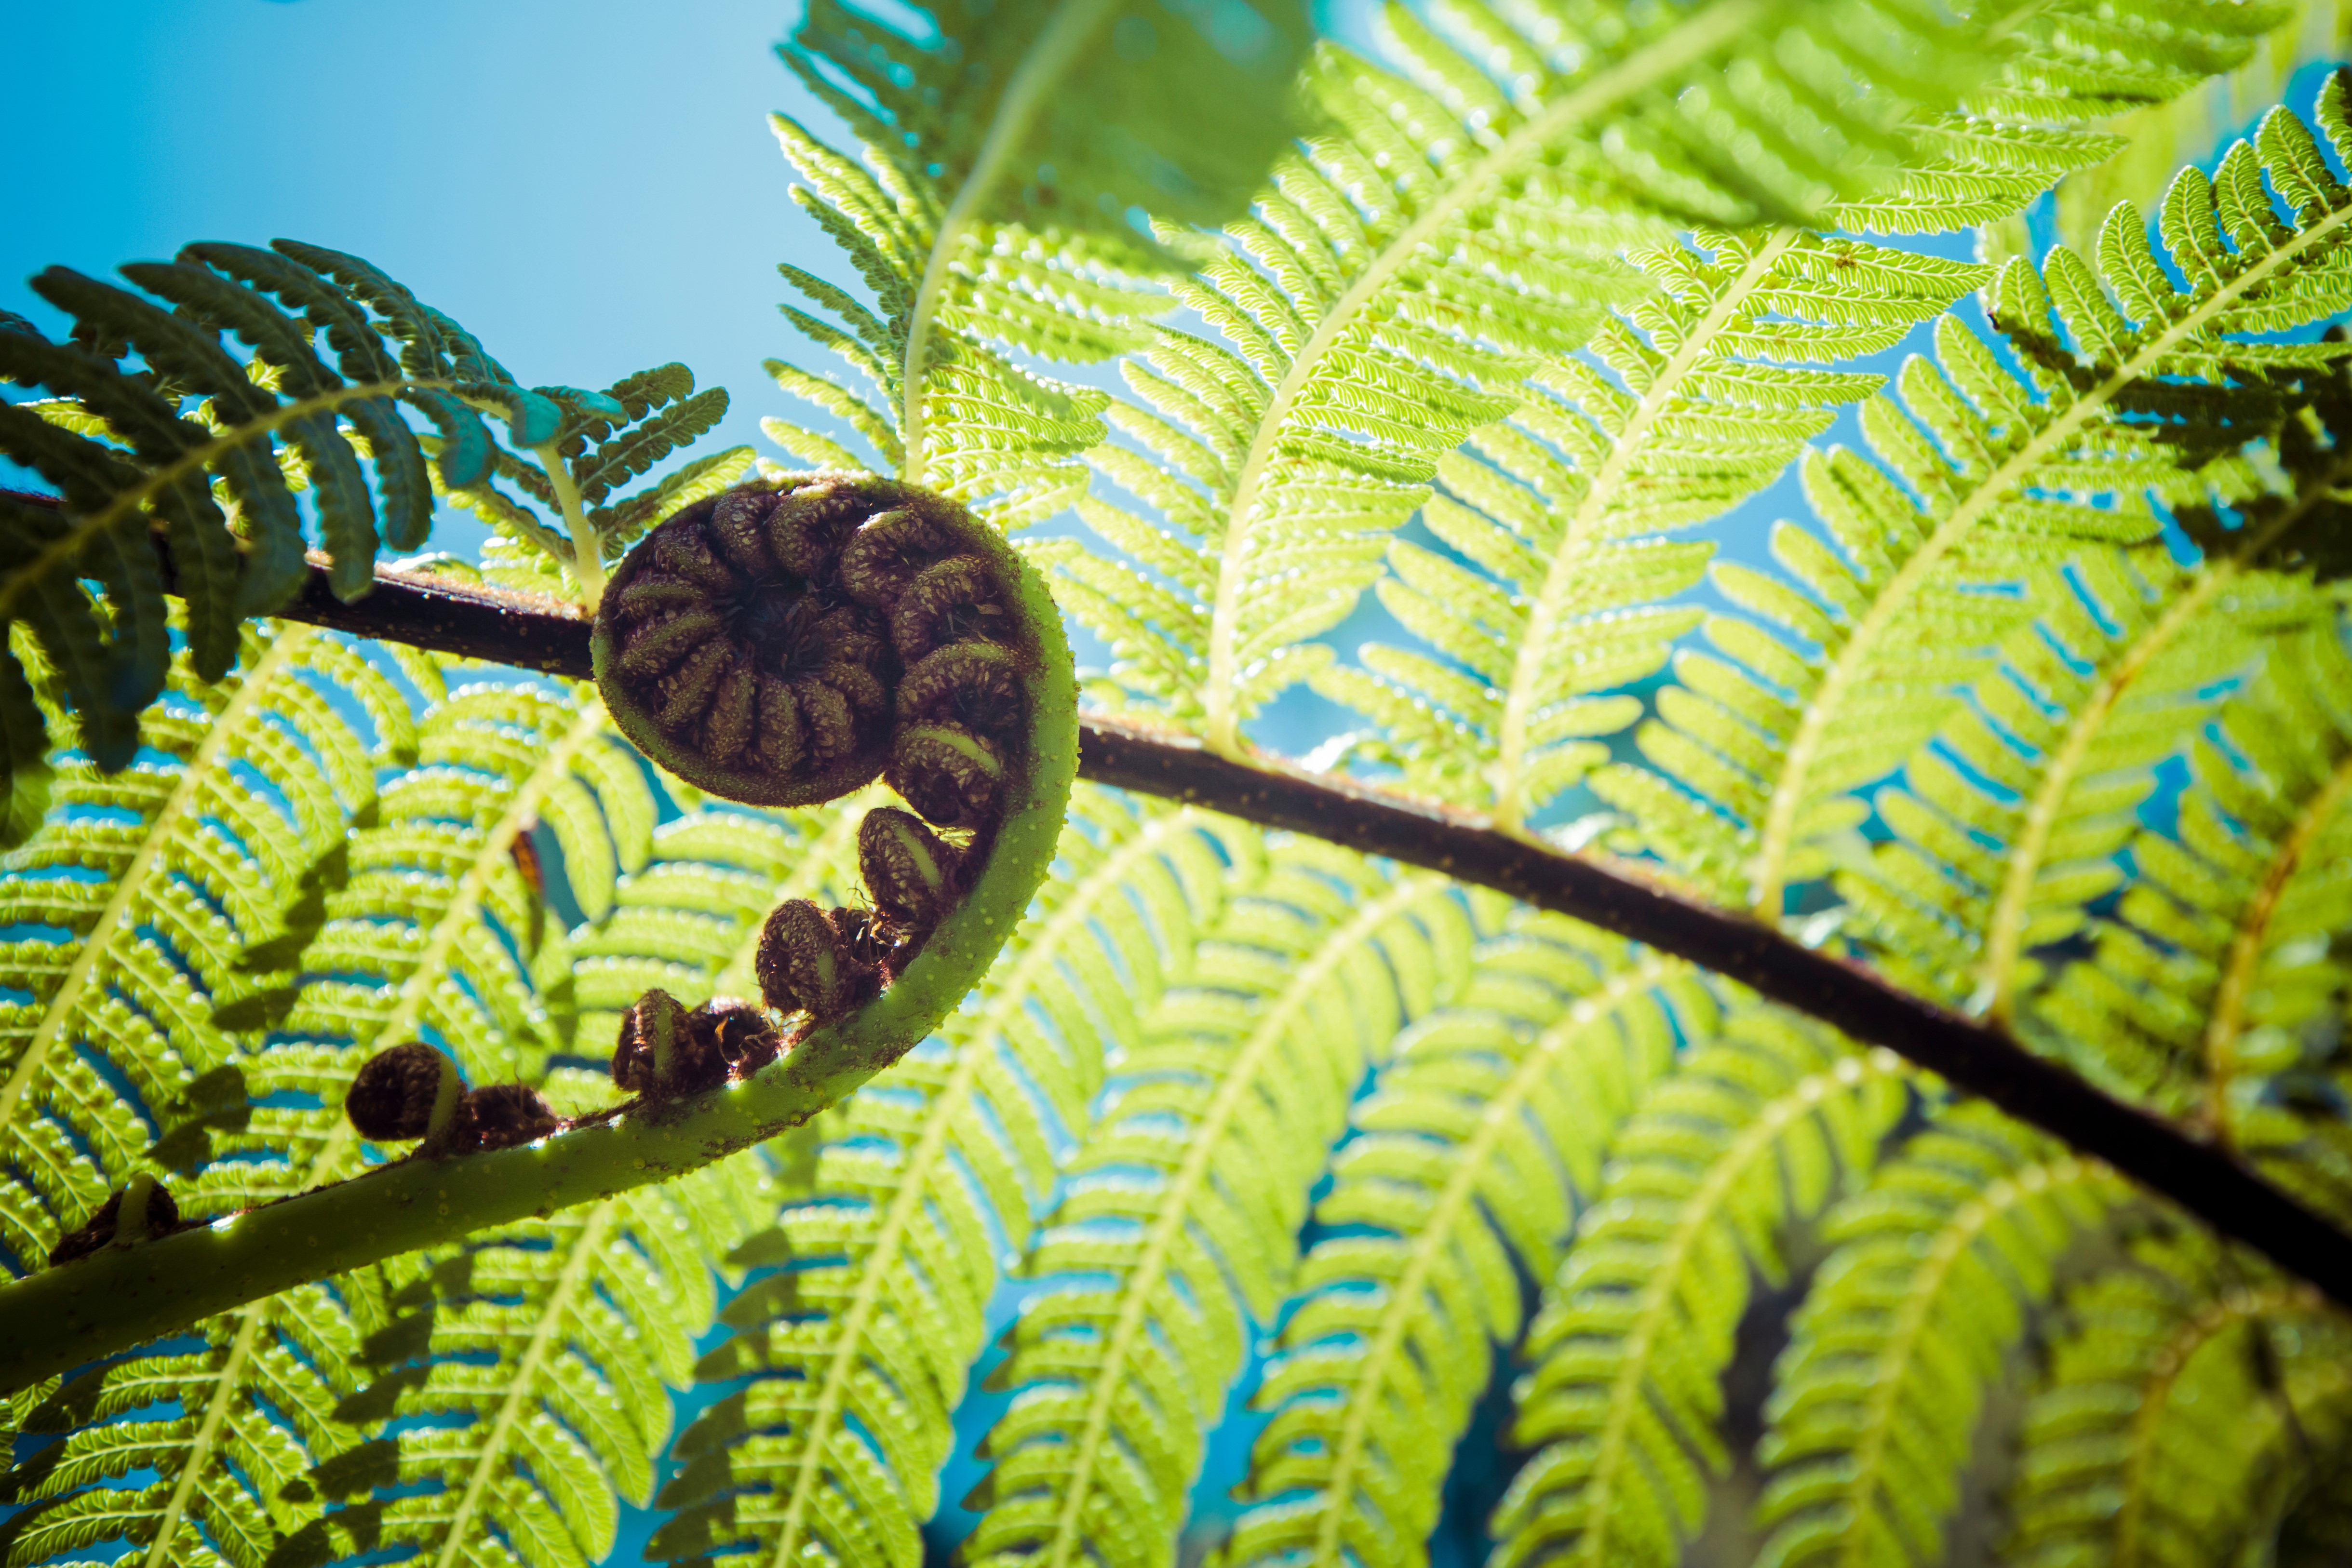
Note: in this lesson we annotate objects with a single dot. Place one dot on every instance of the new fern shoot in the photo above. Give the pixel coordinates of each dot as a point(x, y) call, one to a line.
point(681, 1066)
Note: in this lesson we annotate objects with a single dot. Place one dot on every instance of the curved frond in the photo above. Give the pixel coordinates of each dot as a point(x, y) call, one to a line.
point(1180, 1215)
point(853, 1353)
point(1875, 1401)
point(1627, 1351)
point(1492, 1118)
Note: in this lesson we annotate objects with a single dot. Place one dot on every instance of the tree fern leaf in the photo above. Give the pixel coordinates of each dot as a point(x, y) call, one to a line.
point(1876, 1398)
point(1457, 1174)
point(856, 1354)
point(1636, 1326)
point(1226, 1103)
point(151, 886)
point(2164, 1431)
point(2115, 674)
point(2209, 992)
point(1921, 574)
point(1565, 503)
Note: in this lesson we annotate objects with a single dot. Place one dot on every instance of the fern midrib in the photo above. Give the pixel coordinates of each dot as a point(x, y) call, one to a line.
point(1564, 569)
point(1381, 1362)
point(227, 727)
point(1202, 1142)
point(465, 903)
point(1780, 829)
point(1952, 1242)
point(1042, 65)
point(520, 1392)
point(227, 1383)
point(2246, 948)
point(940, 1118)
point(1638, 72)
point(2006, 927)
point(1614, 1451)
point(195, 460)
point(2155, 1394)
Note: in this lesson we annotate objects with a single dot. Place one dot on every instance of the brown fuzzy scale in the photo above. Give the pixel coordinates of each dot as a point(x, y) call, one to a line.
point(721, 1038)
point(392, 1098)
point(947, 773)
point(500, 1117)
point(914, 876)
point(163, 1216)
point(821, 962)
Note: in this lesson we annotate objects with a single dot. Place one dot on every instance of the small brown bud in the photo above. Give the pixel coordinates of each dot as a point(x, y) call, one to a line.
point(809, 960)
point(396, 1094)
point(653, 1043)
point(947, 773)
point(158, 1214)
point(912, 874)
point(975, 685)
point(742, 1035)
point(883, 558)
point(500, 1117)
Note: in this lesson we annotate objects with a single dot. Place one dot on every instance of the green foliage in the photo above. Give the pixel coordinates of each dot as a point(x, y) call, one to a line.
point(1475, 1140)
point(1564, 281)
point(1876, 1396)
point(2184, 1397)
point(1636, 1327)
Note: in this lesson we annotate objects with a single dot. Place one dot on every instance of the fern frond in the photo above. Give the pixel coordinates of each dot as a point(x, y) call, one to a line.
point(1997, 476)
point(1182, 1210)
point(994, 215)
point(528, 1369)
point(1875, 1401)
point(160, 428)
point(2246, 57)
point(2003, 852)
point(2214, 991)
point(1564, 507)
point(201, 1452)
point(855, 1355)
point(1628, 1351)
point(150, 900)
point(1492, 1118)
point(2185, 1404)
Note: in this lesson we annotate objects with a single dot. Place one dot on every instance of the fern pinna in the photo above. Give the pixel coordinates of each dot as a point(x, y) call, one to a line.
point(692, 1055)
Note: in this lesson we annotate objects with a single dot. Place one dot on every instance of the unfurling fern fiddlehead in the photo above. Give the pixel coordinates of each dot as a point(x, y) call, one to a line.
point(786, 642)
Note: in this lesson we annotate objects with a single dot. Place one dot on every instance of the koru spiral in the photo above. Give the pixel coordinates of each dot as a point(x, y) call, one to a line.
point(781, 645)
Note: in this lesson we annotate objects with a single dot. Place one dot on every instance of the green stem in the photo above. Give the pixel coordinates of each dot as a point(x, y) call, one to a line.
point(66, 1316)
point(587, 544)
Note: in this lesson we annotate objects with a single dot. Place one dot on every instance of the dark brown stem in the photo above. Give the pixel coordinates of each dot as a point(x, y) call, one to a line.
point(1978, 1058)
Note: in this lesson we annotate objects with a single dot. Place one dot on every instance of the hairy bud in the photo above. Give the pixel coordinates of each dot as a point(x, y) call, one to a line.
point(947, 773)
point(666, 1049)
point(821, 962)
point(407, 1092)
point(913, 875)
point(133, 1214)
point(500, 1117)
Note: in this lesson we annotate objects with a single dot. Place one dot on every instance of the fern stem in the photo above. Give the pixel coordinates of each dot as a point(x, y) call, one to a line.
point(227, 727)
point(226, 1384)
point(1455, 1202)
point(1788, 797)
point(2218, 1317)
point(1529, 685)
point(1241, 1079)
point(1043, 65)
point(548, 634)
point(2005, 930)
point(1636, 73)
point(587, 545)
point(941, 1117)
point(2239, 971)
point(545, 1335)
point(1614, 1451)
point(188, 465)
point(1877, 1423)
